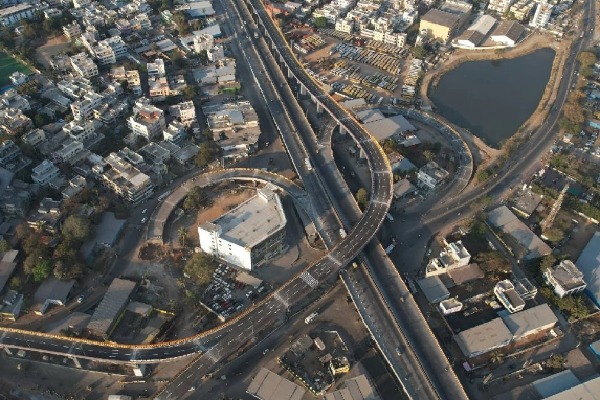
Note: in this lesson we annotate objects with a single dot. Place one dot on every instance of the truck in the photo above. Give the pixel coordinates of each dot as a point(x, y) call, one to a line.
point(255, 35)
point(390, 217)
point(310, 318)
point(307, 163)
point(343, 233)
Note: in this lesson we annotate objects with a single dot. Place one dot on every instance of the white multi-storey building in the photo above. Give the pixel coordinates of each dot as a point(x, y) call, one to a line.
point(72, 30)
point(108, 51)
point(83, 109)
point(541, 17)
point(500, 6)
point(248, 235)
point(147, 121)
point(123, 179)
point(81, 131)
point(156, 69)
point(345, 25)
point(44, 173)
point(185, 112)
point(83, 65)
point(565, 278)
point(203, 42)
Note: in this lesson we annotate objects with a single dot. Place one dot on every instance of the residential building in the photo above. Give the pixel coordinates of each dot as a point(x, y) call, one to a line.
point(109, 50)
point(345, 25)
point(76, 185)
point(11, 305)
point(235, 127)
point(507, 295)
point(70, 152)
point(12, 99)
point(431, 175)
point(84, 108)
point(507, 33)
point(248, 235)
point(454, 255)
point(541, 17)
point(72, 30)
point(565, 279)
point(47, 218)
point(439, 24)
point(16, 197)
point(123, 179)
point(13, 121)
point(34, 137)
point(10, 16)
point(147, 121)
point(9, 154)
point(175, 132)
point(156, 69)
point(83, 65)
point(8, 264)
point(44, 173)
point(185, 112)
point(499, 6)
point(589, 263)
point(203, 42)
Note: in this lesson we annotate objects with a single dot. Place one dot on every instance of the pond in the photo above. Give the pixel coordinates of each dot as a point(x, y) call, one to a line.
point(493, 98)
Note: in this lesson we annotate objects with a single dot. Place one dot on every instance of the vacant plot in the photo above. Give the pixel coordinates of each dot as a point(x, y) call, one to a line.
point(52, 47)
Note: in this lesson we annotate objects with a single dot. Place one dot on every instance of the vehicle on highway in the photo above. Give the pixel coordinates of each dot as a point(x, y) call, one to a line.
point(143, 221)
point(310, 318)
point(144, 211)
point(307, 163)
point(80, 299)
point(390, 217)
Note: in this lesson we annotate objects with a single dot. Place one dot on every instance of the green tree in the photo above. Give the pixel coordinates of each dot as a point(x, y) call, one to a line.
point(556, 362)
point(547, 262)
point(200, 268)
point(4, 246)
point(189, 92)
point(65, 270)
point(419, 52)
point(320, 22)
point(362, 198)
point(41, 271)
point(15, 283)
point(208, 153)
point(182, 233)
point(429, 156)
point(76, 229)
point(493, 264)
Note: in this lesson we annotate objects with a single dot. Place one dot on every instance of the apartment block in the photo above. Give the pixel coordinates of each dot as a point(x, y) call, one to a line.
point(44, 173)
point(72, 30)
point(147, 120)
point(123, 179)
point(83, 65)
point(185, 112)
point(565, 278)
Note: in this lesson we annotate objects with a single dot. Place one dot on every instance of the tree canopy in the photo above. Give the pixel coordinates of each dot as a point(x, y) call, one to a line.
point(362, 198)
point(209, 152)
point(76, 229)
point(200, 268)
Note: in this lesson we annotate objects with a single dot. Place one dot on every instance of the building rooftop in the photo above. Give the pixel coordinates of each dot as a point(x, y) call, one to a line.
point(52, 290)
point(440, 17)
point(567, 275)
point(529, 321)
point(556, 383)
point(358, 388)
point(483, 24)
point(508, 222)
point(369, 115)
point(267, 385)
point(434, 289)
point(507, 295)
point(7, 267)
point(589, 263)
point(589, 390)
point(111, 305)
point(483, 338)
point(253, 220)
point(511, 29)
point(384, 128)
point(527, 202)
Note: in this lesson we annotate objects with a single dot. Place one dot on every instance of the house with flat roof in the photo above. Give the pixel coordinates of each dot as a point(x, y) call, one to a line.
point(535, 320)
point(434, 289)
point(431, 175)
point(248, 235)
point(439, 24)
point(526, 202)
point(483, 338)
point(507, 295)
point(555, 384)
point(453, 255)
point(565, 278)
point(113, 303)
point(507, 33)
point(11, 305)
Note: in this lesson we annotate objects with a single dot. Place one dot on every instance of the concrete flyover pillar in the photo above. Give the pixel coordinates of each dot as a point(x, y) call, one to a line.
point(8, 351)
point(319, 106)
point(303, 90)
point(343, 130)
point(76, 362)
point(290, 74)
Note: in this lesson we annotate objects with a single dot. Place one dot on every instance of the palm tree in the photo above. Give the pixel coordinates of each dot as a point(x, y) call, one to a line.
point(429, 156)
point(183, 234)
point(496, 357)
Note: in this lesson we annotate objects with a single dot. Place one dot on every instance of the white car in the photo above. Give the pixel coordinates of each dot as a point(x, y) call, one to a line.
point(144, 220)
point(144, 211)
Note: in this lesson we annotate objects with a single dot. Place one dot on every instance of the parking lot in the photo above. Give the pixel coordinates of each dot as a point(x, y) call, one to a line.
point(231, 291)
point(359, 68)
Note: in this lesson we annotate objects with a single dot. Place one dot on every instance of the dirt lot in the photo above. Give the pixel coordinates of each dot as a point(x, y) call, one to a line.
point(53, 46)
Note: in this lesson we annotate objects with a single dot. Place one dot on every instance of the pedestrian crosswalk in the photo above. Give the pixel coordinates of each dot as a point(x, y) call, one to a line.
point(310, 281)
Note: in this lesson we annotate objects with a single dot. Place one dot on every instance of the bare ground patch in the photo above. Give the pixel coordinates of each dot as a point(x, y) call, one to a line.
point(52, 47)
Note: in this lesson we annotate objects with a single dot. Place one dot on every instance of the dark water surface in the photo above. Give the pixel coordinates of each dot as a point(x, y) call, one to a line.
point(494, 98)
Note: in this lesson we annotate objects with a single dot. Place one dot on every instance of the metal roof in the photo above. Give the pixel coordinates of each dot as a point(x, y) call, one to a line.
point(589, 263)
point(530, 321)
point(484, 338)
point(110, 307)
point(267, 385)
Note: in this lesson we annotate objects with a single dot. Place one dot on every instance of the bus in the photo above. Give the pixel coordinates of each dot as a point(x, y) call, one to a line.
point(164, 195)
point(310, 318)
point(307, 163)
